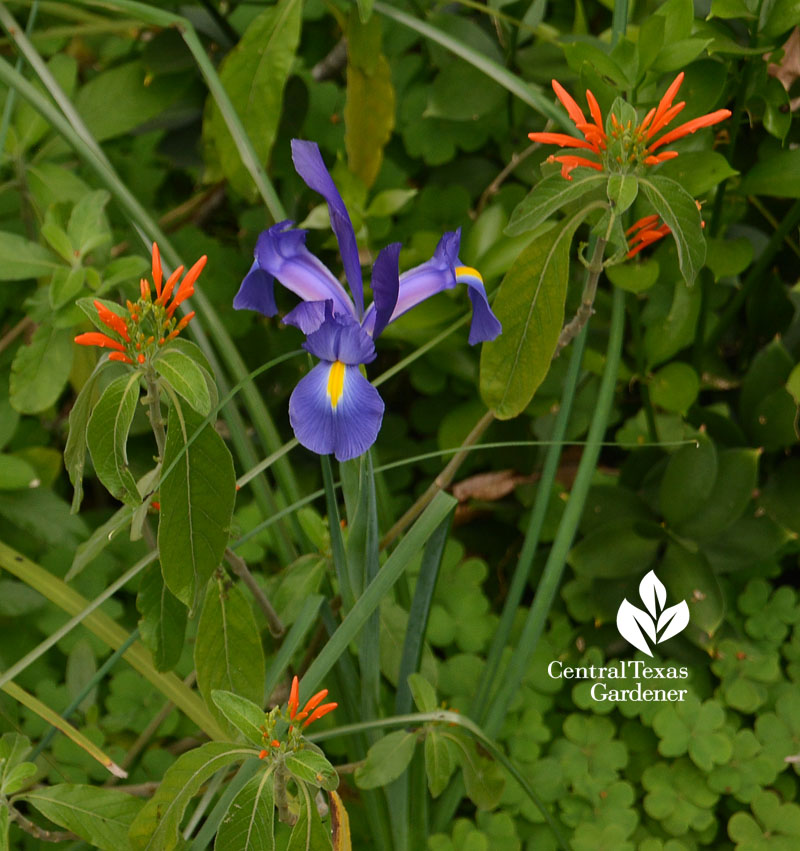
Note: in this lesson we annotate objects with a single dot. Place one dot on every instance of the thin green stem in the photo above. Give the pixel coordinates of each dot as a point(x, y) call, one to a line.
point(554, 567)
point(619, 21)
point(641, 367)
point(335, 530)
point(11, 98)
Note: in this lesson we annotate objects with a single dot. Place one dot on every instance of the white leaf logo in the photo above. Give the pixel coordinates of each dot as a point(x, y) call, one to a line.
point(657, 623)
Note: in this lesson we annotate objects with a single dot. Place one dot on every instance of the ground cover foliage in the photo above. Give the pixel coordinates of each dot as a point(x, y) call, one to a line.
point(171, 558)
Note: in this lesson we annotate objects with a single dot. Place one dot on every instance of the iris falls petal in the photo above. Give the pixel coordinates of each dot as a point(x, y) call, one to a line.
point(485, 325)
point(385, 287)
point(334, 409)
point(257, 292)
point(310, 166)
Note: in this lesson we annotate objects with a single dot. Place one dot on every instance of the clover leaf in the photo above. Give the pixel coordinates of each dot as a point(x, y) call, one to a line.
point(779, 731)
point(772, 827)
point(590, 749)
point(678, 797)
point(745, 669)
point(748, 770)
point(770, 615)
point(695, 728)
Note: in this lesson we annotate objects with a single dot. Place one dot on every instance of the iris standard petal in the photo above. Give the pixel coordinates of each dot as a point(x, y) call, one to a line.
point(257, 292)
point(334, 409)
point(385, 286)
point(485, 325)
point(310, 166)
point(431, 277)
point(341, 338)
point(283, 253)
point(308, 315)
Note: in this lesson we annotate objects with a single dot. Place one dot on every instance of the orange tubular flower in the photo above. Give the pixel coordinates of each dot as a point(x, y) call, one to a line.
point(312, 705)
point(635, 146)
point(147, 320)
point(647, 231)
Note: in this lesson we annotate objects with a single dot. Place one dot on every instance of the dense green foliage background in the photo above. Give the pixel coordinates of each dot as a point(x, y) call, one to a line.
point(422, 110)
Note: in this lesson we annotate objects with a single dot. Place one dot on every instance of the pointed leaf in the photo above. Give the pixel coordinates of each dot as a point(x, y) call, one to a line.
point(549, 196)
point(100, 816)
point(387, 759)
point(163, 621)
point(438, 763)
point(156, 826)
point(653, 593)
point(673, 620)
point(20, 258)
point(197, 499)
point(107, 437)
point(40, 370)
point(629, 623)
point(309, 834)
point(250, 822)
point(75, 450)
point(313, 768)
point(185, 377)
point(245, 715)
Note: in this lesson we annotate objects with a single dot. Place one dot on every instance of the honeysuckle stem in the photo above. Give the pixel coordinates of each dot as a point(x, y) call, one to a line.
point(153, 400)
point(574, 327)
point(441, 482)
point(281, 796)
point(240, 568)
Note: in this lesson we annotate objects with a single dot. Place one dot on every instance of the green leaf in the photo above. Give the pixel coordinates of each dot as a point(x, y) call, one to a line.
point(783, 15)
point(163, 619)
point(4, 827)
point(156, 826)
point(246, 716)
point(249, 824)
point(228, 653)
point(439, 765)
point(688, 576)
point(781, 496)
point(254, 75)
point(727, 257)
point(610, 552)
point(530, 306)
point(622, 190)
point(674, 387)
point(107, 437)
point(634, 277)
point(312, 767)
point(698, 171)
point(196, 505)
point(309, 834)
point(549, 196)
point(665, 337)
point(15, 473)
point(40, 370)
point(88, 227)
point(736, 479)
point(423, 693)
point(17, 599)
point(100, 816)
point(369, 111)
point(100, 538)
point(688, 480)
point(386, 760)
point(20, 258)
point(777, 175)
point(66, 284)
point(679, 212)
point(389, 201)
point(483, 778)
point(185, 377)
point(13, 750)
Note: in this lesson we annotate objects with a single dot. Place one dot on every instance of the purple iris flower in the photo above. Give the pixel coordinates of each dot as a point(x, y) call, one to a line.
point(334, 408)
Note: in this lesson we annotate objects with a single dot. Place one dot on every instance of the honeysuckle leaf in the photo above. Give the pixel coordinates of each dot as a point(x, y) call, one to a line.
point(228, 654)
point(107, 437)
point(100, 816)
point(155, 828)
point(197, 498)
point(250, 822)
point(245, 715)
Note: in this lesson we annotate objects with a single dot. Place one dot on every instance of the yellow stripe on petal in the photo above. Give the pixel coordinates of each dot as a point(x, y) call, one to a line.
point(336, 383)
point(467, 272)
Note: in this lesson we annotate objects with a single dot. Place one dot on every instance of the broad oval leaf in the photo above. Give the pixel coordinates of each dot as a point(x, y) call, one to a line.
point(75, 450)
point(689, 576)
point(20, 258)
point(387, 759)
point(107, 437)
point(309, 834)
point(197, 499)
point(679, 212)
point(249, 824)
point(185, 377)
point(100, 816)
point(630, 622)
point(228, 653)
point(688, 480)
point(530, 305)
point(245, 715)
point(156, 826)
point(40, 370)
point(254, 74)
point(439, 764)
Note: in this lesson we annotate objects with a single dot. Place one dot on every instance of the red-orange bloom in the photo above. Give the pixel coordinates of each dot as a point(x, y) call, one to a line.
point(112, 321)
point(311, 706)
point(647, 231)
point(637, 143)
point(95, 338)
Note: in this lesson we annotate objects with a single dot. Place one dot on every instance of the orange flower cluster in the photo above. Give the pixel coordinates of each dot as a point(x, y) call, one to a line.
point(647, 231)
point(312, 705)
point(636, 144)
point(149, 323)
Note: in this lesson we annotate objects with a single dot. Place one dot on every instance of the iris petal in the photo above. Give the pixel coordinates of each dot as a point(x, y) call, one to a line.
point(310, 166)
point(257, 292)
point(340, 338)
point(385, 286)
point(283, 253)
point(485, 325)
point(347, 429)
point(307, 316)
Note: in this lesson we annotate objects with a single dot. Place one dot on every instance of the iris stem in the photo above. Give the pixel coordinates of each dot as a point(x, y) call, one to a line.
point(441, 482)
point(240, 568)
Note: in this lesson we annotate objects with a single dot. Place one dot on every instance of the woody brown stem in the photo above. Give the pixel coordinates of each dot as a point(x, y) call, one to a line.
point(39, 832)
